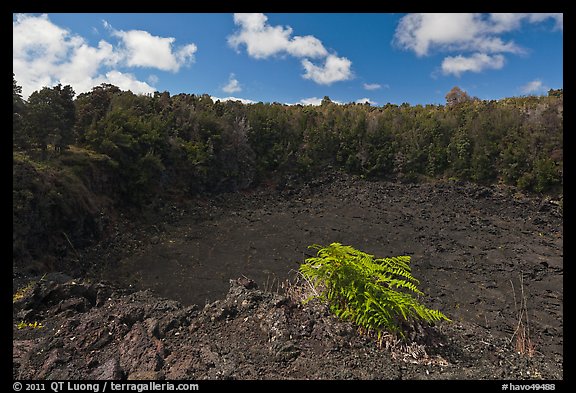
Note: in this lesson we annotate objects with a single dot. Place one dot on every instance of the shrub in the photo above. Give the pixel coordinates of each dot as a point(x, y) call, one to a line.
point(546, 175)
point(375, 294)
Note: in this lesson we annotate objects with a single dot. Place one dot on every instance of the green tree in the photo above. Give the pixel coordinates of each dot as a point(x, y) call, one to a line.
point(555, 92)
point(68, 117)
point(460, 154)
point(19, 137)
point(546, 174)
point(91, 107)
point(51, 116)
point(17, 101)
point(326, 101)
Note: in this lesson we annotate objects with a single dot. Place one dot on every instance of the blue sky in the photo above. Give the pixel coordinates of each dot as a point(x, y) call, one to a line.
point(293, 58)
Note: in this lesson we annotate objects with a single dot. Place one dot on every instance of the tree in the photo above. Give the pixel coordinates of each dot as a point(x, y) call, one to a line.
point(17, 101)
point(456, 96)
point(91, 107)
point(326, 101)
point(51, 116)
point(555, 92)
point(68, 116)
point(18, 108)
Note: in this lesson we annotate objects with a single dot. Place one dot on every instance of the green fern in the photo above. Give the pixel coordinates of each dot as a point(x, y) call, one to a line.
point(376, 294)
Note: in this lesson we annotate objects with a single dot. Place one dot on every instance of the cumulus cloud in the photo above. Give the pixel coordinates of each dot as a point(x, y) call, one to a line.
point(465, 33)
point(82, 65)
point(260, 39)
point(39, 47)
point(421, 33)
point(35, 37)
point(142, 49)
point(535, 86)
point(263, 40)
point(126, 81)
point(307, 46)
point(45, 54)
point(233, 86)
point(478, 62)
point(334, 69)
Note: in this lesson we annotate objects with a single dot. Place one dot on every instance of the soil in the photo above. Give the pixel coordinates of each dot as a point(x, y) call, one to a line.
point(207, 289)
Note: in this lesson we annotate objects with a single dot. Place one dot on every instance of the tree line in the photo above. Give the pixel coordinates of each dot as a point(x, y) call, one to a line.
point(195, 144)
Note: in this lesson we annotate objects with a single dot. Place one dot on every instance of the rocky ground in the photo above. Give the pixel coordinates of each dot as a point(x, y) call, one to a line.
point(162, 299)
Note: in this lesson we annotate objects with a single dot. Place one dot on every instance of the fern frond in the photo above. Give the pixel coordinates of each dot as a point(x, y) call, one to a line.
point(362, 289)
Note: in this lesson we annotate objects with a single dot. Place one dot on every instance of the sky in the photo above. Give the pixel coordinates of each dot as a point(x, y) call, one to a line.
point(374, 58)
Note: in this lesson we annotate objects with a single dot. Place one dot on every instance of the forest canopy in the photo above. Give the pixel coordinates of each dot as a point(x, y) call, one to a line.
point(195, 144)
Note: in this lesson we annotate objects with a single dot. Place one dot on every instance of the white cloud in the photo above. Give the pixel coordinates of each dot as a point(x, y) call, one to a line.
point(540, 17)
point(465, 32)
point(242, 100)
point(39, 47)
point(506, 21)
point(127, 82)
point(365, 101)
point(307, 46)
point(153, 79)
point(454, 32)
point(535, 86)
point(502, 22)
point(371, 86)
point(262, 40)
point(185, 54)
point(374, 86)
point(84, 61)
point(476, 63)
point(142, 49)
point(310, 101)
point(334, 69)
point(45, 54)
point(35, 37)
point(233, 86)
point(315, 101)
point(418, 32)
